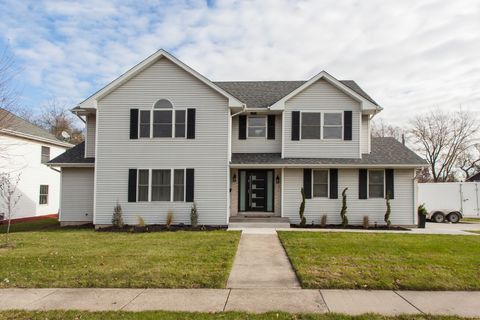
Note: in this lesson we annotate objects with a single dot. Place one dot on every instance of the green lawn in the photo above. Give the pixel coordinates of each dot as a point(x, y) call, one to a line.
point(384, 261)
point(76, 315)
point(474, 231)
point(474, 220)
point(85, 258)
point(44, 224)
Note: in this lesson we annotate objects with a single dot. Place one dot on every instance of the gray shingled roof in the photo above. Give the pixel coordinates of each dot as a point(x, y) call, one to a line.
point(385, 151)
point(17, 124)
point(73, 155)
point(262, 94)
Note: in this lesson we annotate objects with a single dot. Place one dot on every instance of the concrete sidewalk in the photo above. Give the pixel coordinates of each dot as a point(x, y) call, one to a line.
point(249, 300)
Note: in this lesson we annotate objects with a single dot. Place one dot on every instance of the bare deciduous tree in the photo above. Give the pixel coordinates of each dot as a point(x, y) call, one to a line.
point(469, 161)
point(443, 137)
point(8, 94)
point(56, 118)
point(381, 129)
point(10, 197)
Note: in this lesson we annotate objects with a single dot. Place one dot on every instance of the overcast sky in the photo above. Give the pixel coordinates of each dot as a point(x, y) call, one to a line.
point(408, 55)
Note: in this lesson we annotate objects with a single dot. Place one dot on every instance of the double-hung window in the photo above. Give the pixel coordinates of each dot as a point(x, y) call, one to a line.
point(311, 125)
point(43, 194)
point(144, 124)
point(257, 126)
point(332, 125)
point(180, 121)
point(45, 154)
point(143, 177)
point(178, 185)
point(162, 123)
point(161, 185)
point(376, 183)
point(320, 183)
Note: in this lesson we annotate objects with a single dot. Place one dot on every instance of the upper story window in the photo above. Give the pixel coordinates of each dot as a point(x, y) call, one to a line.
point(311, 125)
point(376, 183)
point(332, 125)
point(257, 126)
point(165, 122)
point(45, 154)
point(318, 125)
point(43, 199)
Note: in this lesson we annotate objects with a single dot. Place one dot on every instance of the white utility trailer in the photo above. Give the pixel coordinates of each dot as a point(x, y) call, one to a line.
point(450, 200)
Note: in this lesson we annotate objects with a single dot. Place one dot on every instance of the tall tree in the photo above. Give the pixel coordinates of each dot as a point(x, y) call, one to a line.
point(57, 119)
point(443, 137)
point(469, 161)
point(8, 94)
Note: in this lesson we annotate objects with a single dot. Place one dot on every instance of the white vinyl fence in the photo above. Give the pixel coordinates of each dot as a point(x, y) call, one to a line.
point(462, 196)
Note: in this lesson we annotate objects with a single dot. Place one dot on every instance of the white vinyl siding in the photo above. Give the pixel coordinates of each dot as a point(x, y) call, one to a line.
point(322, 97)
point(402, 206)
point(365, 135)
point(257, 145)
point(90, 136)
point(207, 154)
point(76, 204)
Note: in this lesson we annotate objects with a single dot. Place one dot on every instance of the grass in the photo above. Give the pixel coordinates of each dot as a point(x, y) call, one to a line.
point(44, 224)
point(474, 231)
point(76, 315)
point(384, 261)
point(473, 220)
point(75, 258)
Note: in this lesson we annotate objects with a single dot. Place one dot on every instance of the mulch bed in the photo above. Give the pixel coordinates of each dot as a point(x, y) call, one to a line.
point(336, 226)
point(161, 228)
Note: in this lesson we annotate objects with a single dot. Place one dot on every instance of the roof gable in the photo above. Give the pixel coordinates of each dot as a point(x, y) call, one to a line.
point(91, 102)
point(349, 88)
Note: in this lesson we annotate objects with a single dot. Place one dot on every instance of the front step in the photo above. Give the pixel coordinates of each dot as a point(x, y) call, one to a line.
point(260, 222)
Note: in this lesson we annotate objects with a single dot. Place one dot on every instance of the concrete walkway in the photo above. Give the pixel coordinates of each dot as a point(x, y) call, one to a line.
point(352, 302)
point(261, 262)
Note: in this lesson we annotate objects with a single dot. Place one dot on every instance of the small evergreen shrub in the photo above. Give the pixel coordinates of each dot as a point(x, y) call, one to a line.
point(343, 212)
point(366, 222)
point(169, 219)
point(301, 212)
point(194, 215)
point(117, 218)
point(422, 210)
point(387, 213)
point(323, 221)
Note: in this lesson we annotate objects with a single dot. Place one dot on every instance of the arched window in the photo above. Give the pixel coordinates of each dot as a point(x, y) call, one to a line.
point(163, 104)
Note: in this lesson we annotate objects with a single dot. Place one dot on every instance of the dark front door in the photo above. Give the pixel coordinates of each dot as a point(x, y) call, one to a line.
point(256, 190)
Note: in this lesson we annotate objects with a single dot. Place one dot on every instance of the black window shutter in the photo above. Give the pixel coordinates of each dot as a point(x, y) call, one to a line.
point(362, 183)
point(242, 127)
point(132, 185)
point(190, 185)
point(389, 181)
point(347, 125)
point(307, 183)
point(295, 125)
point(333, 183)
point(133, 123)
point(271, 127)
point(191, 115)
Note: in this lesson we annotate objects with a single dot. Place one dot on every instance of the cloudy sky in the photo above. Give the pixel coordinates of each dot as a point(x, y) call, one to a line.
point(408, 55)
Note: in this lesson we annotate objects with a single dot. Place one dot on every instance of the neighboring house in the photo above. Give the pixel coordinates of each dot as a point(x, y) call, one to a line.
point(162, 136)
point(25, 149)
point(474, 178)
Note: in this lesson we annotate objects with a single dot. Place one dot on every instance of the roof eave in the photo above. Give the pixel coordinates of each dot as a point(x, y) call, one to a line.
point(325, 165)
point(71, 165)
point(36, 138)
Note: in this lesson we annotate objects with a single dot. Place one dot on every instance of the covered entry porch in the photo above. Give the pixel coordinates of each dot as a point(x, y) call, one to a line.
point(255, 192)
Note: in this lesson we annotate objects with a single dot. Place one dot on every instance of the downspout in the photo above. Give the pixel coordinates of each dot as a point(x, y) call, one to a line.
point(244, 108)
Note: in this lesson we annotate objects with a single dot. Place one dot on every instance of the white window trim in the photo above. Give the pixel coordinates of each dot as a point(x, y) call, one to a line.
point(152, 110)
point(368, 184)
point(172, 133)
point(301, 128)
point(41, 154)
point(172, 190)
point(47, 194)
point(266, 126)
point(322, 125)
point(328, 183)
point(322, 119)
point(174, 123)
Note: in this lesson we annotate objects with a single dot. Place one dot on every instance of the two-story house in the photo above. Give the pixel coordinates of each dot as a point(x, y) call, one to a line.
point(162, 136)
point(25, 150)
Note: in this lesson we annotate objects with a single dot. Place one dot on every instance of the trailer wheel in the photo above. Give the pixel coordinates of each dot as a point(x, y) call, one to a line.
point(438, 217)
point(453, 217)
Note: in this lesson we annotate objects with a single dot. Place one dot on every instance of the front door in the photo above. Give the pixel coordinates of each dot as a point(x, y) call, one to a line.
point(256, 190)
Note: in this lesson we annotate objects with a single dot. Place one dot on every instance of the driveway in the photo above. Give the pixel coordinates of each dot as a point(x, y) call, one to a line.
point(452, 227)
